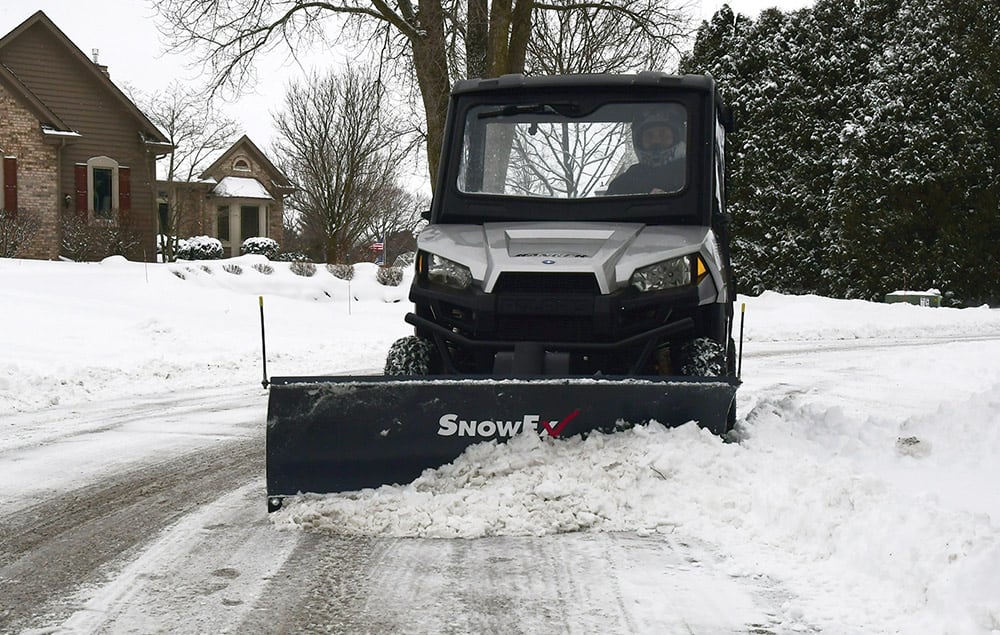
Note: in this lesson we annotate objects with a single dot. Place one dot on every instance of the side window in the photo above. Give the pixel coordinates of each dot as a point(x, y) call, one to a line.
point(720, 167)
point(241, 165)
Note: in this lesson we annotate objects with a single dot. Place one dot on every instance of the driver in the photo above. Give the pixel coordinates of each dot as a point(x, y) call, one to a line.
point(656, 138)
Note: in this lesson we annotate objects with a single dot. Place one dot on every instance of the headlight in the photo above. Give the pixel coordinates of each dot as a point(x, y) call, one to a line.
point(446, 272)
point(669, 274)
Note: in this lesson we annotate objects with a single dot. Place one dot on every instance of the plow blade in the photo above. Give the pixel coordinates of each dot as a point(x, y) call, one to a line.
point(334, 434)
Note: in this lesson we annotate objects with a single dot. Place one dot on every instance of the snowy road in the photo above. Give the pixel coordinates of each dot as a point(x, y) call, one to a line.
point(178, 542)
point(166, 532)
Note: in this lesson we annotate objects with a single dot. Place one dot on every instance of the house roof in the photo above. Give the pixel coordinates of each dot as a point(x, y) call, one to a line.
point(240, 187)
point(244, 144)
point(45, 116)
point(150, 134)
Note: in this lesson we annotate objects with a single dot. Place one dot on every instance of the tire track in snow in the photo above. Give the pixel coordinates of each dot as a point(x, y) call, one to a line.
point(50, 549)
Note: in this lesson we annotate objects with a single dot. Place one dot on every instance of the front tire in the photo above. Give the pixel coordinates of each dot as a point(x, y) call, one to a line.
point(702, 357)
point(409, 355)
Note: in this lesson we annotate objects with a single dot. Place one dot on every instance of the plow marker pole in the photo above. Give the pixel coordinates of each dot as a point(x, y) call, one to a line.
point(263, 343)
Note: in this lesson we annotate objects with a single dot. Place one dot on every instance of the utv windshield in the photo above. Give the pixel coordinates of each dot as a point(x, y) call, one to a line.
point(552, 150)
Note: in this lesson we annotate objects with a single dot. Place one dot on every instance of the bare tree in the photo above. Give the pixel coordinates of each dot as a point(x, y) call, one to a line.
point(443, 39)
point(398, 217)
point(343, 151)
point(589, 39)
point(191, 123)
point(197, 132)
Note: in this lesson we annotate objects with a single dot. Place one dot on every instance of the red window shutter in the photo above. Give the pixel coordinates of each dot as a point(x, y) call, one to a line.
point(124, 191)
point(10, 185)
point(81, 190)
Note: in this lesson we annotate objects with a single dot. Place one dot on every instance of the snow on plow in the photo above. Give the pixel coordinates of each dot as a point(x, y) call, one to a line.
point(335, 434)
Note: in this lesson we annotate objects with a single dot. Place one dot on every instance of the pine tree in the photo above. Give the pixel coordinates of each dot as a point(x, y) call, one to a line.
point(868, 149)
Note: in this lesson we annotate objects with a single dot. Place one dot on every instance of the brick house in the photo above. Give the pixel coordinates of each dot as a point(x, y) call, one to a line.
point(240, 196)
point(74, 146)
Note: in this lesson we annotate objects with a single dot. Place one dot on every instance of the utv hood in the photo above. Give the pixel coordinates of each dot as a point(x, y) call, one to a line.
point(610, 251)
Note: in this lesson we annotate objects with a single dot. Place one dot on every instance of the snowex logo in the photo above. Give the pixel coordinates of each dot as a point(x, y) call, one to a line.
point(451, 425)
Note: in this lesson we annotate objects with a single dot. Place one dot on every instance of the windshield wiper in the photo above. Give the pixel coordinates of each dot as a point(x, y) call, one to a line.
point(530, 109)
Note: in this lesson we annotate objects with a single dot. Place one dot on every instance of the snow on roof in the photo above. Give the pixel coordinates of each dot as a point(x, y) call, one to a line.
point(52, 132)
point(240, 187)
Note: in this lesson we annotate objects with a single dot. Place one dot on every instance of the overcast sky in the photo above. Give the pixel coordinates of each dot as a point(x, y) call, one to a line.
point(125, 34)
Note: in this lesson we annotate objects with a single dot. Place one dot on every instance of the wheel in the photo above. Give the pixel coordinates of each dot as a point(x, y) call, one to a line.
point(702, 357)
point(409, 355)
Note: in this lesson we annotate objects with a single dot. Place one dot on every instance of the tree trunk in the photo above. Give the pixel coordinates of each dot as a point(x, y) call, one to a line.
point(510, 29)
point(476, 37)
point(431, 66)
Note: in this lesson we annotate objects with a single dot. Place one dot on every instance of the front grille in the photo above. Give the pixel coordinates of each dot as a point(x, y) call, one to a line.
point(532, 282)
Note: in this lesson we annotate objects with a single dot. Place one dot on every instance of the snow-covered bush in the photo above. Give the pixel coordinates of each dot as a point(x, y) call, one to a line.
point(302, 268)
point(264, 268)
point(341, 271)
point(292, 256)
point(232, 268)
point(405, 259)
point(389, 276)
point(200, 248)
point(259, 245)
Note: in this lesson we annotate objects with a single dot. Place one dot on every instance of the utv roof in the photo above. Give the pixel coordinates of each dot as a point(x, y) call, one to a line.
point(591, 82)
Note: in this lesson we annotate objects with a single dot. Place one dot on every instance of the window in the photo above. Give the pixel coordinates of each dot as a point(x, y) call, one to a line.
point(242, 165)
point(558, 151)
point(222, 223)
point(249, 222)
point(163, 217)
point(102, 191)
point(103, 188)
point(236, 222)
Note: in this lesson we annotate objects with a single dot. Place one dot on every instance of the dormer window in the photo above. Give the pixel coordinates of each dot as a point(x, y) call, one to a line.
point(241, 165)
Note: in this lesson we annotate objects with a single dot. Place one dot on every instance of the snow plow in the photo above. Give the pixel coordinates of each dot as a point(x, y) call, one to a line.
point(574, 277)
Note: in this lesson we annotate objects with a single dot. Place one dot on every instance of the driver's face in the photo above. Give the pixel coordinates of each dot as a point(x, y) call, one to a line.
point(657, 138)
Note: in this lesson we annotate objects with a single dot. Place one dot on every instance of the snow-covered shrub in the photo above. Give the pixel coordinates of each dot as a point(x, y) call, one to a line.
point(341, 271)
point(179, 274)
point(232, 268)
point(259, 245)
point(264, 268)
point(207, 270)
point(200, 248)
point(405, 259)
point(292, 256)
point(389, 276)
point(302, 268)
point(16, 230)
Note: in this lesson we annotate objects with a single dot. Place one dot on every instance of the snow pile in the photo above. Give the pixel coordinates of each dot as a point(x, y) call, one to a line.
point(788, 512)
point(768, 318)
